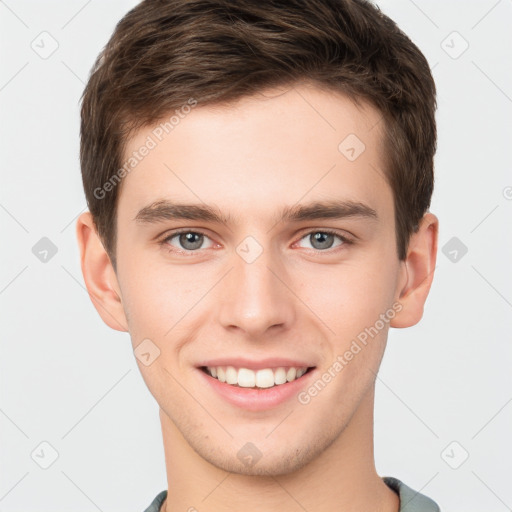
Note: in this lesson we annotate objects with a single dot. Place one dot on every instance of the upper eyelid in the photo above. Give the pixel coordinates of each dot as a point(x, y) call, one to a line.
point(346, 239)
point(167, 236)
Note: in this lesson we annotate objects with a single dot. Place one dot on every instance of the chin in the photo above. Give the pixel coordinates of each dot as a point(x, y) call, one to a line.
point(277, 454)
point(275, 464)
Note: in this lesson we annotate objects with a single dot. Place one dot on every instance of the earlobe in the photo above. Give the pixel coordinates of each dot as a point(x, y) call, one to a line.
point(418, 271)
point(99, 276)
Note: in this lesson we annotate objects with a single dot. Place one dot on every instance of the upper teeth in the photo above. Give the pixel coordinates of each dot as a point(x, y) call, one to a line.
point(264, 378)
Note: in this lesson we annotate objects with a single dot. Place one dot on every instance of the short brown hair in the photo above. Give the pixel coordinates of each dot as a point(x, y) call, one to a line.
point(163, 52)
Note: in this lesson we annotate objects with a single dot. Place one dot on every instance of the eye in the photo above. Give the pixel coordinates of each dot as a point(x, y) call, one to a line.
point(322, 240)
point(187, 241)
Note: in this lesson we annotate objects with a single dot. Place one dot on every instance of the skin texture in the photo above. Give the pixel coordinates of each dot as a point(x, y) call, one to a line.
point(249, 160)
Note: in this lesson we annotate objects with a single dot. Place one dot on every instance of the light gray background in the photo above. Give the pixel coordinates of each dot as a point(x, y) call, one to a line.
point(69, 380)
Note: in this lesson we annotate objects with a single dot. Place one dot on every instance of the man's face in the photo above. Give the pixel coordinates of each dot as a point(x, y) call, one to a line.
point(253, 291)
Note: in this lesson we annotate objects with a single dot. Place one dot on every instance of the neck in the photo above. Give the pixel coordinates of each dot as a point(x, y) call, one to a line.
point(341, 478)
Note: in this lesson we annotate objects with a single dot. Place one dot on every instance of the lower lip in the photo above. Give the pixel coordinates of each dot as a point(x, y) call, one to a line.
point(257, 399)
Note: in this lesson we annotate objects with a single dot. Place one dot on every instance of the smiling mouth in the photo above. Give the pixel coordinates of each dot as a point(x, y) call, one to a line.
point(262, 379)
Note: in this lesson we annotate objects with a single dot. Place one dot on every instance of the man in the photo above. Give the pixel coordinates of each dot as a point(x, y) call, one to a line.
point(258, 177)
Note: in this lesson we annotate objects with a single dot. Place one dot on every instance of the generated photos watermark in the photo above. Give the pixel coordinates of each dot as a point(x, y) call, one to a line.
point(151, 142)
point(344, 359)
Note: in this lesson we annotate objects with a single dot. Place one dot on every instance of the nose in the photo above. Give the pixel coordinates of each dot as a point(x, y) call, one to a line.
point(256, 296)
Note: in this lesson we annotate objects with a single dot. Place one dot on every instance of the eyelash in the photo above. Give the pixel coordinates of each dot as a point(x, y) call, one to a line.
point(164, 241)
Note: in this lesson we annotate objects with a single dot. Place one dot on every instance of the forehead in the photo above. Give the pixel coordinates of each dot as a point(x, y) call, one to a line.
point(279, 146)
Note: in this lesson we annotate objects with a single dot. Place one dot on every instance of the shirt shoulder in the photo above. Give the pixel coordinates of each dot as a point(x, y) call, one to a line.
point(411, 500)
point(157, 502)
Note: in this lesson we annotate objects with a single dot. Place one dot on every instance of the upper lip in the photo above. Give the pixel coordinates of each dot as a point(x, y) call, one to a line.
point(251, 364)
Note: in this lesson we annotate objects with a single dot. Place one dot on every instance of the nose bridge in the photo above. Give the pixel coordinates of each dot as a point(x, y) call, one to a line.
point(255, 297)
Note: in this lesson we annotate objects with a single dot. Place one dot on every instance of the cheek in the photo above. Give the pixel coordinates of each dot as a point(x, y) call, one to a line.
point(159, 299)
point(350, 296)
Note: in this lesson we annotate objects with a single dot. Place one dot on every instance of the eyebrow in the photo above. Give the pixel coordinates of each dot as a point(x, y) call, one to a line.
point(164, 210)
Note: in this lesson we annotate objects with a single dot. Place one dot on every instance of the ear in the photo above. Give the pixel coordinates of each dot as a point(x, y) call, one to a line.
point(99, 275)
point(417, 272)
